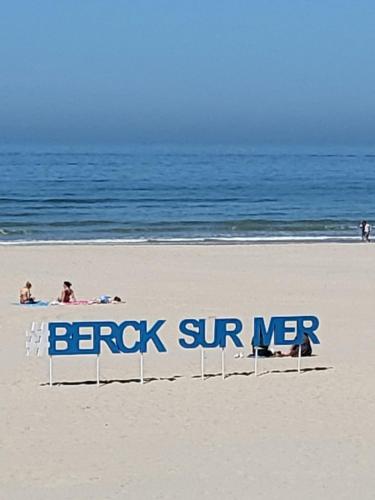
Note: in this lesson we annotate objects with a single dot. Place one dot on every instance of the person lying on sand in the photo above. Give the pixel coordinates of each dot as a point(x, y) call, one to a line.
point(263, 351)
point(306, 349)
point(107, 299)
point(67, 294)
point(25, 294)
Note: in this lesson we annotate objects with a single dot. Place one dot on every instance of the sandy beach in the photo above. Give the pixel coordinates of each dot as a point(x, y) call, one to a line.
point(278, 435)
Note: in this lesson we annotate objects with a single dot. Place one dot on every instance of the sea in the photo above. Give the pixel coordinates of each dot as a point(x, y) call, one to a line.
point(184, 194)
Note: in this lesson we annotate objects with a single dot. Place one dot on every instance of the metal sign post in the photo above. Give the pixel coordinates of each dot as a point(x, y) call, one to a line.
point(141, 368)
point(299, 358)
point(202, 363)
point(223, 363)
point(256, 361)
point(50, 371)
point(97, 370)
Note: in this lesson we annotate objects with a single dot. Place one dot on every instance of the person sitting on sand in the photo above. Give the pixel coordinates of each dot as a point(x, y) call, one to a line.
point(25, 294)
point(67, 294)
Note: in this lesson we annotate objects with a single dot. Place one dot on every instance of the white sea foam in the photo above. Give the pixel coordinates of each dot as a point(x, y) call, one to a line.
point(192, 240)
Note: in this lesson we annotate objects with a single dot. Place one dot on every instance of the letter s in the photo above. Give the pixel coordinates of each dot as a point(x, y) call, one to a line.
point(186, 328)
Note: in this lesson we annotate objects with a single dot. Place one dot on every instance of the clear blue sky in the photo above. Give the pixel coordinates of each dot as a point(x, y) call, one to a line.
point(216, 71)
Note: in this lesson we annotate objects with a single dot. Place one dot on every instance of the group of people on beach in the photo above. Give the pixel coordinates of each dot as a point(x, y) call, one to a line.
point(306, 350)
point(67, 296)
point(264, 350)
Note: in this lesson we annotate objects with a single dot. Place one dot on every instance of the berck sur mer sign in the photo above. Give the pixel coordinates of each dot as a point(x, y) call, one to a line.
point(64, 338)
point(68, 338)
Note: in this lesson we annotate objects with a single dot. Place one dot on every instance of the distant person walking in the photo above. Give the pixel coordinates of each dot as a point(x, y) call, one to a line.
point(366, 230)
point(362, 228)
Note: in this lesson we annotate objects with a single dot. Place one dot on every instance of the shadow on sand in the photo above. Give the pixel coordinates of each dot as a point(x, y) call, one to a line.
point(104, 382)
point(294, 370)
point(207, 376)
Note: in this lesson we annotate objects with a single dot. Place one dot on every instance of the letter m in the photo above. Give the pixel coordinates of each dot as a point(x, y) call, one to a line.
point(262, 336)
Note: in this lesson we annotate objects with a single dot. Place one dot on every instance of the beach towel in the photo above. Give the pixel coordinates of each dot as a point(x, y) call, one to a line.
point(37, 303)
point(82, 302)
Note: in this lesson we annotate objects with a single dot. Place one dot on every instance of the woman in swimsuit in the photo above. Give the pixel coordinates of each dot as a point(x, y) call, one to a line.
point(67, 294)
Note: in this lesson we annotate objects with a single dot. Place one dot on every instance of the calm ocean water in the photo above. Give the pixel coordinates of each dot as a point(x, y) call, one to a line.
point(195, 194)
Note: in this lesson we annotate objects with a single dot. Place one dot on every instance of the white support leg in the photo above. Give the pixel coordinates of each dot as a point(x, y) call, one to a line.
point(202, 363)
point(50, 371)
point(223, 363)
point(141, 368)
point(28, 342)
point(299, 358)
point(256, 361)
point(97, 370)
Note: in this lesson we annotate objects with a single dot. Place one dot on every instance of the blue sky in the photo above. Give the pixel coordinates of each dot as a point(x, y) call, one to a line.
point(187, 71)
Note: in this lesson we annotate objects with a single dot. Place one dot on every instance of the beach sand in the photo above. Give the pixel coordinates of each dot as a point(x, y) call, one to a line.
point(279, 435)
